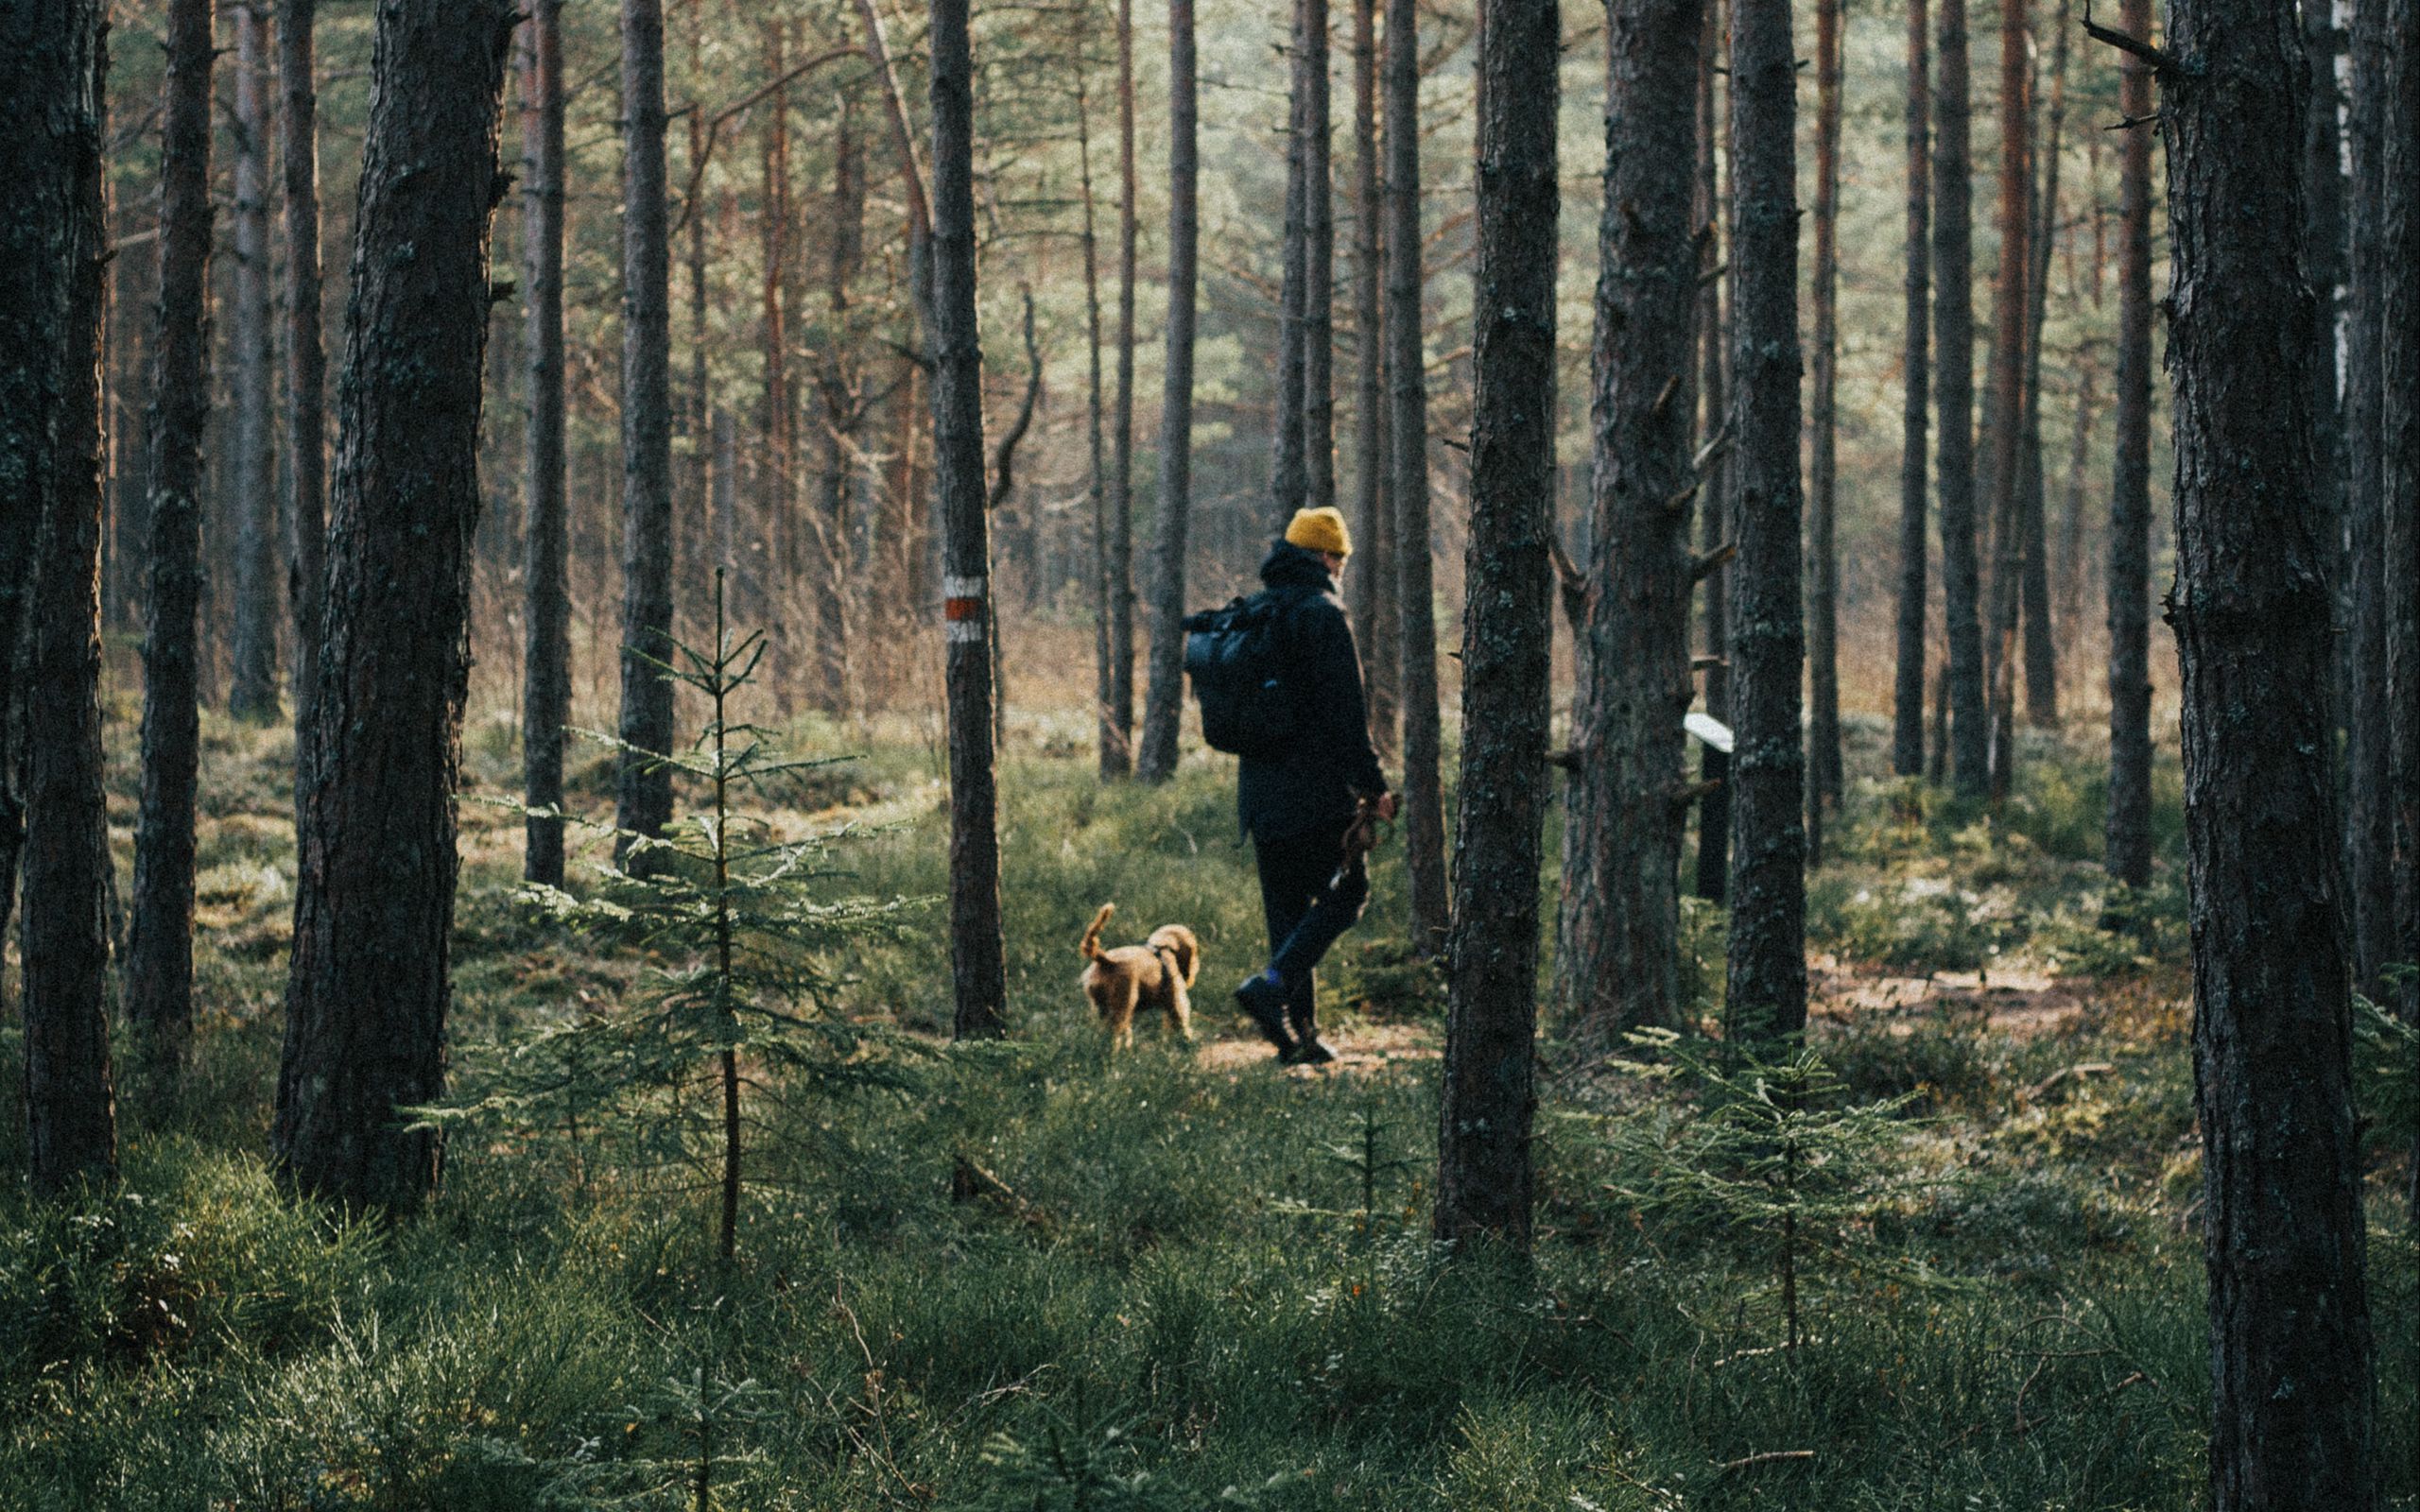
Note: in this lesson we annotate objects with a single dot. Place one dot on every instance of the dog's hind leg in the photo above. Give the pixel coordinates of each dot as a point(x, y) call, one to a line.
point(1180, 1010)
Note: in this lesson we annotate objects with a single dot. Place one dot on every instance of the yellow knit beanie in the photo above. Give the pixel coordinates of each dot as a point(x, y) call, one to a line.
point(1321, 530)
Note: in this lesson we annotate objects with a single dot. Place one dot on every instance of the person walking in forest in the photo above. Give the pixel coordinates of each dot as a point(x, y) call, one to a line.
point(1308, 804)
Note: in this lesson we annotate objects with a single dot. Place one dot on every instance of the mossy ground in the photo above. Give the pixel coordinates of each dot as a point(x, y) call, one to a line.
point(1181, 1298)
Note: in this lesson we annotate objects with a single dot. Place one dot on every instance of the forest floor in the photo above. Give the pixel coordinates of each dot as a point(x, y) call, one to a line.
point(1185, 1279)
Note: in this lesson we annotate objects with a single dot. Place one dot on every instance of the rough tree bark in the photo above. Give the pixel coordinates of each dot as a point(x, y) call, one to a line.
point(1289, 466)
point(252, 689)
point(1164, 697)
point(1372, 587)
point(2399, 475)
point(546, 669)
point(1767, 970)
point(54, 251)
point(2370, 823)
point(2127, 843)
point(1119, 716)
point(776, 422)
point(2039, 646)
point(1907, 684)
point(159, 967)
point(975, 945)
point(1953, 333)
point(644, 787)
point(833, 568)
point(2004, 410)
point(1318, 270)
point(1617, 966)
point(2293, 1400)
point(1107, 735)
point(306, 355)
point(1823, 778)
point(1714, 766)
point(1424, 805)
point(366, 999)
point(1488, 1095)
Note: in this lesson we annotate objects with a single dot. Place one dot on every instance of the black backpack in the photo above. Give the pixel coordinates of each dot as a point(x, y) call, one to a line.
point(1236, 659)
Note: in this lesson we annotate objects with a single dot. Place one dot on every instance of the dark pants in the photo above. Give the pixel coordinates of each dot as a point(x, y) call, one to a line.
point(1310, 894)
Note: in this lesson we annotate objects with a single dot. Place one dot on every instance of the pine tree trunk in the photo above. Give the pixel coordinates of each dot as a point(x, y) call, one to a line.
point(1766, 973)
point(2040, 642)
point(1953, 250)
point(644, 788)
point(1111, 748)
point(1318, 270)
point(2291, 1395)
point(159, 968)
point(1714, 497)
point(2370, 828)
point(1163, 697)
point(1824, 777)
point(54, 253)
point(1618, 962)
point(1424, 805)
point(2002, 469)
point(251, 690)
point(134, 294)
point(1488, 1095)
point(2399, 477)
point(1372, 585)
point(545, 689)
point(367, 1001)
point(1907, 684)
point(836, 693)
point(306, 356)
point(2127, 848)
point(975, 937)
point(1121, 430)
point(777, 464)
point(1290, 468)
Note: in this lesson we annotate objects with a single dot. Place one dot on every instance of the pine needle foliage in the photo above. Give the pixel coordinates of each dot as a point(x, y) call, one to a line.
point(1766, 1148)
point(741, 1000)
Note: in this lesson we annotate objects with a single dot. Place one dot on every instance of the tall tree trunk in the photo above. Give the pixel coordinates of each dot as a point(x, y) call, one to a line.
point(159, 967)
point(836, 693)
point(134, 292)
point(252, 689)
point(2399, 476)
point(1318, 270)
point(545, 670)
point(1619, 964)
point(1121, 715)
point(1112, 746)
point(1290, 468)
point(974, 938)
point(1714, 507)
point(1423, 802)
point(1766, 973)
point(2369, 844)
point(1488, 1096)
point(2005, 425)
point(694, 523)
point(54, 253)
point(2040, 646)
point(2293, 1400)
point(1163, 697)
point(366, 1005)
point(306, 355)
point(1908, 685)
point(2127, 847)
point(777, 467)
point(645, 787)
point(1953, 333)
point(1372, 587)
point(1824, 777)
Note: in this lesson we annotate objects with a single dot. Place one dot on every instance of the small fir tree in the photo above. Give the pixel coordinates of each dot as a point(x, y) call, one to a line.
point(742, 986)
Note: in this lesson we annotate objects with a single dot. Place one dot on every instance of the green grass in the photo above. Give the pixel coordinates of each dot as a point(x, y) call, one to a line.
point(1185, 1305)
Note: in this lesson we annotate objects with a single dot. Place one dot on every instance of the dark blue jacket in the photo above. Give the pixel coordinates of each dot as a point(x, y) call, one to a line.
point(1313, 787)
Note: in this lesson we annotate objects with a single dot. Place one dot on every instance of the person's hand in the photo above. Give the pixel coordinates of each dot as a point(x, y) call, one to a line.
point(1386, 806)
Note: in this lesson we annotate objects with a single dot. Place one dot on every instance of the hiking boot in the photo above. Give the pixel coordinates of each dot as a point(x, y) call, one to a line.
point(1310, 1050)
point(1264, 1003)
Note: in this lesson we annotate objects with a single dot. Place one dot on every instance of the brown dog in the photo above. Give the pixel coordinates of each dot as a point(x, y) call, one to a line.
point(1156, 972)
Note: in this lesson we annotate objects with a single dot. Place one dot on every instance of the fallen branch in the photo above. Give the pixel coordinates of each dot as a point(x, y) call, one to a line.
point(2085, 1068)
point(1773, 1456)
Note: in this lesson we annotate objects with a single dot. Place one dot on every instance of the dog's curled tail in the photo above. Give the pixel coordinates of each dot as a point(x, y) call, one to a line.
point(1089, 948)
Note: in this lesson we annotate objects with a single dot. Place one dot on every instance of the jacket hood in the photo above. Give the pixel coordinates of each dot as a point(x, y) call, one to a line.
point(1291, 566)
